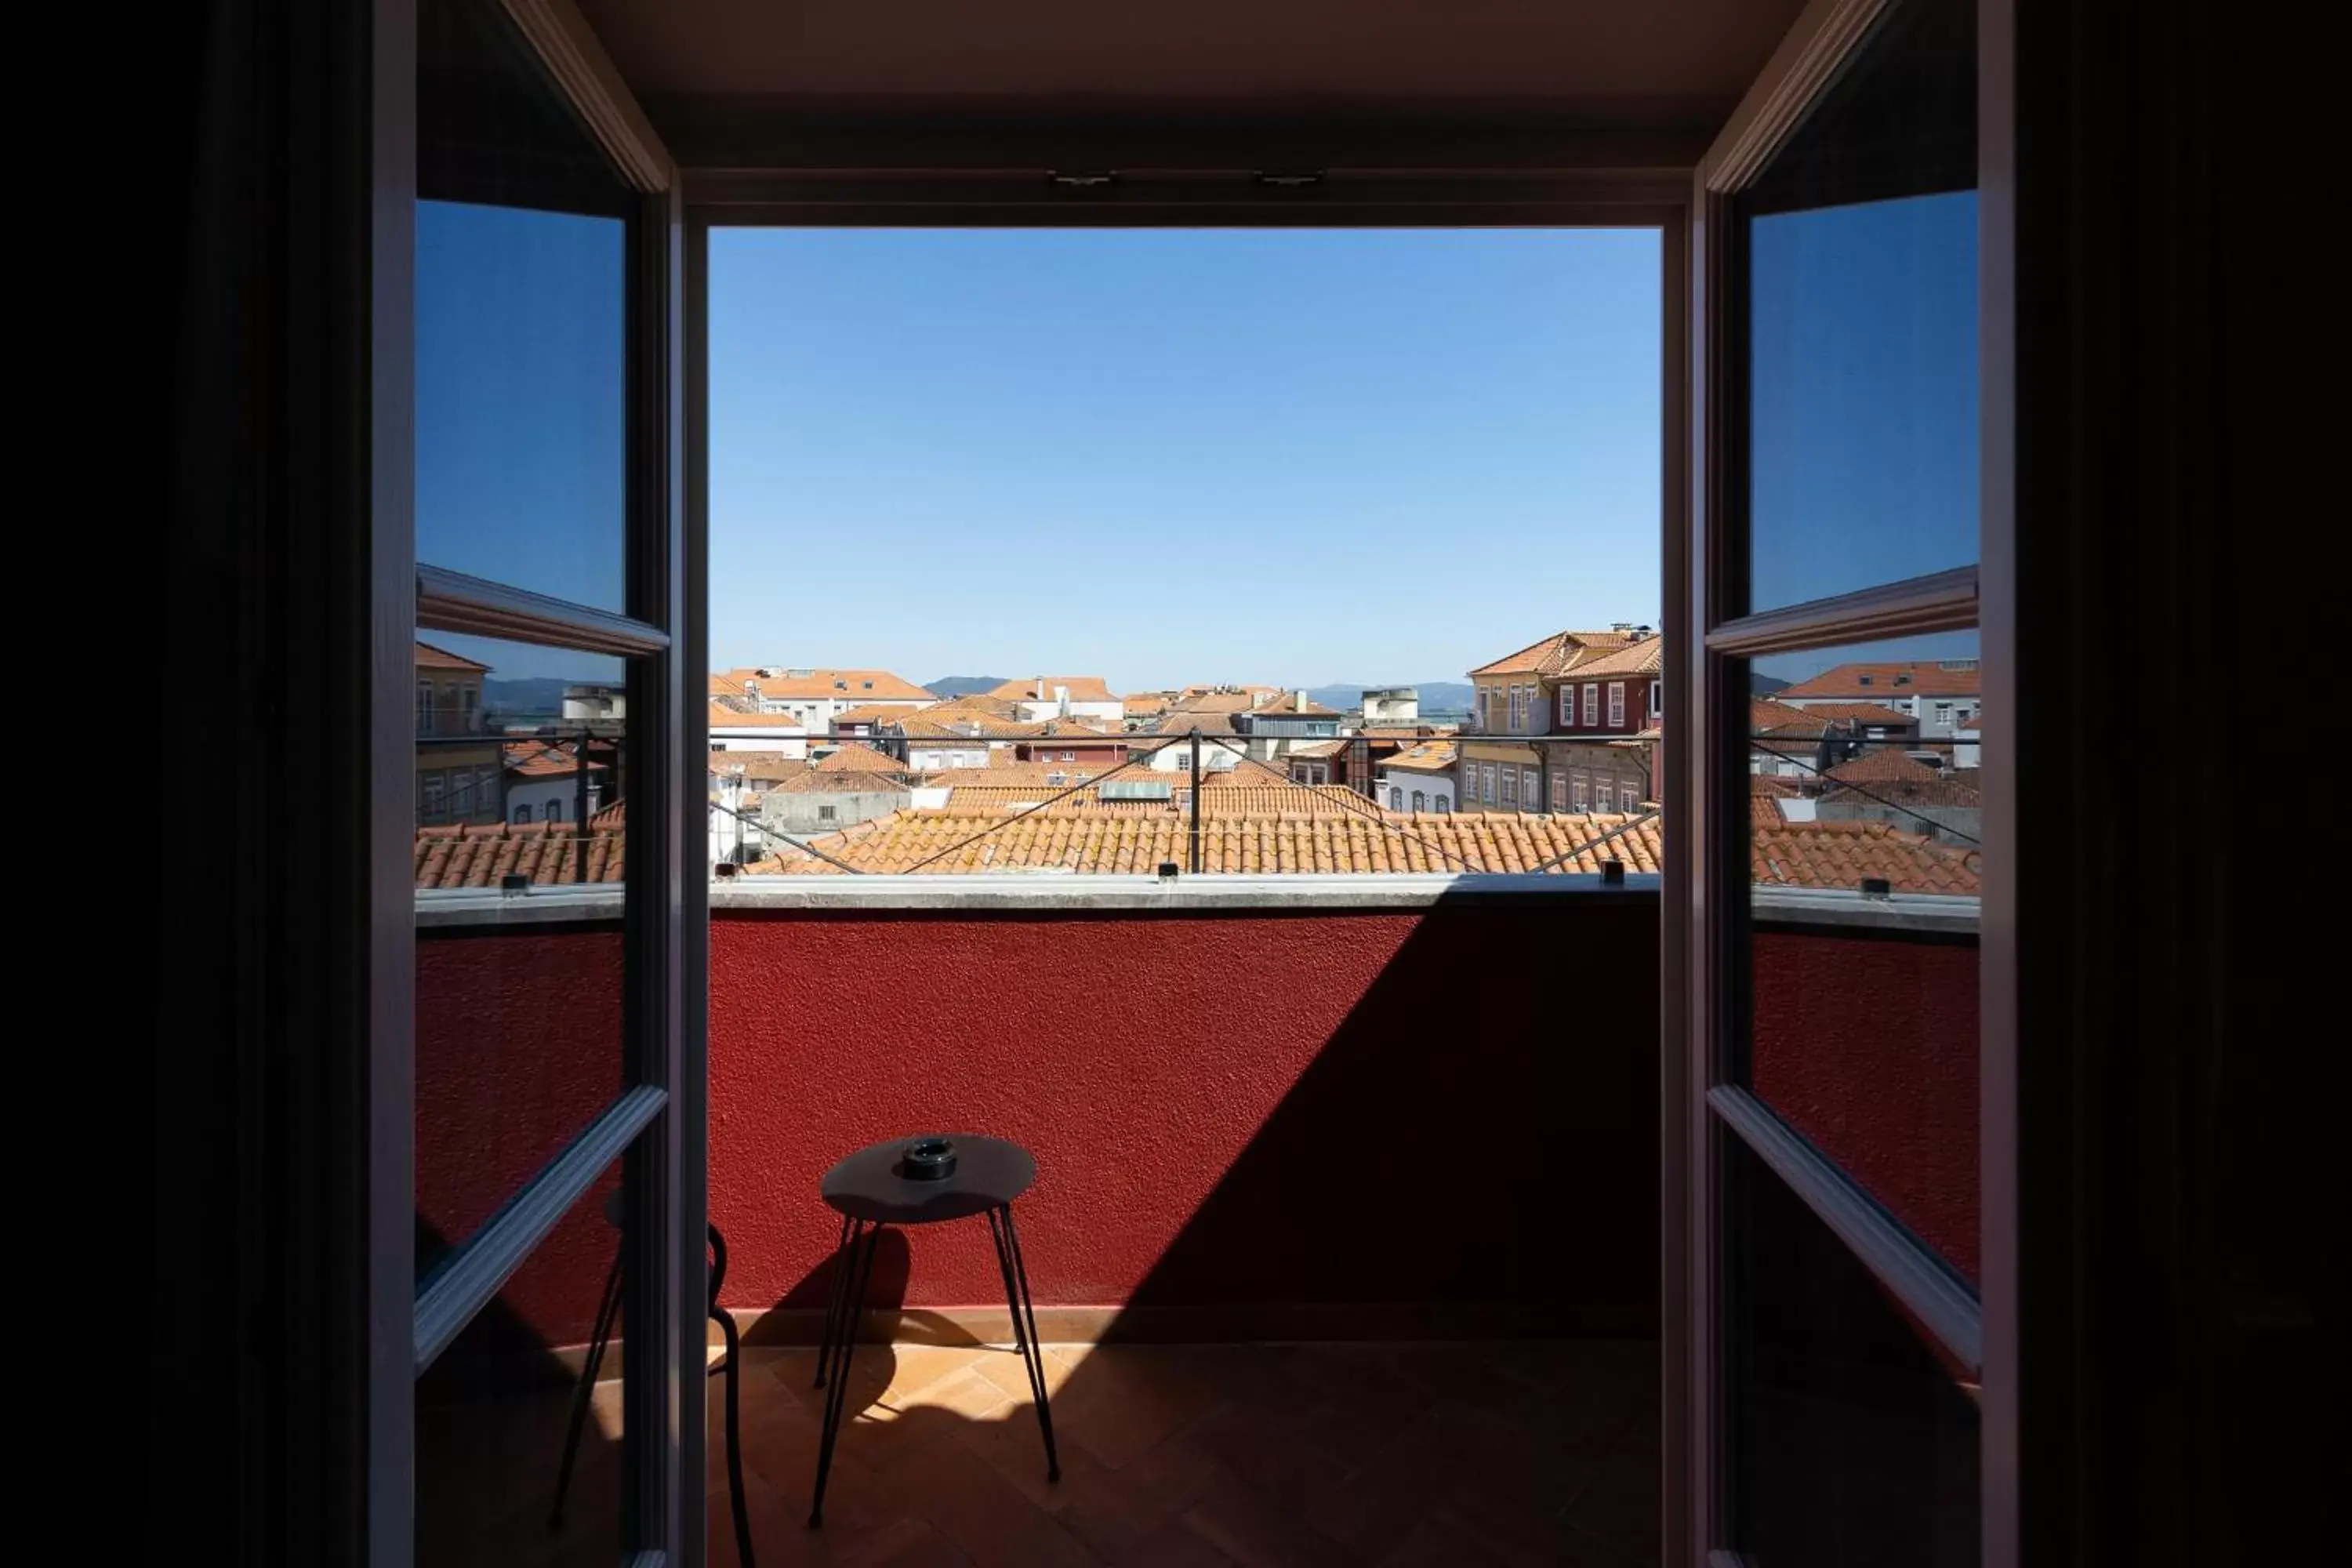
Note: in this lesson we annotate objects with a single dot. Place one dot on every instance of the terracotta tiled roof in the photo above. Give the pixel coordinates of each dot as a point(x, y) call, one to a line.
point(1083, 689)
point(761, 767)
point(539, 760)
point(1021, 775)
point(1867, 712)
point(1555, 654)
point(1885, 766)
point(1812, 855)
point(977, 718)
point(1765, 794)
point(1078, 728)
point(841, 684)
point(1840, 854)
point(1917, 678)
point(724, 717)
point(1429, 757)
point(1144, 704)
point(873, 713)
point(1933, 792)
point(841, 781)
point(1209, 721)
point(484, 854)
point(431, 658)
point(853, 758)
point(1317, 749)
point(1640, 659)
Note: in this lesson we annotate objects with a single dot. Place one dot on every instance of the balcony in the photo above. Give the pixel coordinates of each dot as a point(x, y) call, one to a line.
point(1345, 1240)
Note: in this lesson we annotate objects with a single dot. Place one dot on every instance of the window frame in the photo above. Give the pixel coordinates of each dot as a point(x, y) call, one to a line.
point(1616, 704)
point(1591, 704)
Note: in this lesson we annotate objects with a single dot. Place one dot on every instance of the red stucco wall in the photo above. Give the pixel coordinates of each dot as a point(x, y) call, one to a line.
point(1867, 1045)
point(1184, 1083)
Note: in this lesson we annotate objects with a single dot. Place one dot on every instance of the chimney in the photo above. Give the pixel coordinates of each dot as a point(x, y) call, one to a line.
point(1062, 700)
point(1300, 700)
point(1041, 688)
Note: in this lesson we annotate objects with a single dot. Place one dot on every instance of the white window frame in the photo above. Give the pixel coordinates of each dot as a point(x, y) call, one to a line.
point(1591, 704)
point(1421, 800)
point(1396, 798)
point(468, 707)
point(1531, 789)
point(433, 790)
point(1580, 795)
point(1560, 792)
point(1510, 787)
point(425, 708)
point(1629, 799)
point(1487, 785)
point(1445, 806)
point(1616, 704)
point(1567, 707)
point(1944, 712)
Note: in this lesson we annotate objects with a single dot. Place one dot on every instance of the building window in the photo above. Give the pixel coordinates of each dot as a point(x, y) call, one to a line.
point(1486, 784)
point(1531, 788)
point(436, 788)
point(466, 700)
point(1580, 792)
point(555, 811)
point(1510, 786)
point(824, 814)
point(1943, 713)
point(1396, 798)
point(1658, 698)
point(1445, 804)
point(425, 708)
point(1616, 704)
point(1560, 792)
point(488, 782)
point(1421, 800)
point(1567, 707)
point(1069, 756)
point(1591, 704)
point(1629, 799)
point(522, 813)
point(1519, 708)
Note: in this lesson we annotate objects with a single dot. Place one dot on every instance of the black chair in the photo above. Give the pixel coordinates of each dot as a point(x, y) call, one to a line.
point(609, 1307)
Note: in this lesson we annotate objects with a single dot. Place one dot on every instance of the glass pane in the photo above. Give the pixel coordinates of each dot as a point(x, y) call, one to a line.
point(1863, 838)
point(522, 321)
point(1854, 1441)
point(519, 918)
point(494, 1412)
point(1862, 321)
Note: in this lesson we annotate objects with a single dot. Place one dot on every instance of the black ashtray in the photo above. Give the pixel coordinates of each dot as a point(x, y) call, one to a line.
point(927, 1160)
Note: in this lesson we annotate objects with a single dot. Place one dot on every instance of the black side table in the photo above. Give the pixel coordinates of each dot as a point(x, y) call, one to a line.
point(872, 1191)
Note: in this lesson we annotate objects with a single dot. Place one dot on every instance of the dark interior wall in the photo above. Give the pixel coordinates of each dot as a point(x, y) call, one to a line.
point(2179, 397)
point(253, 151)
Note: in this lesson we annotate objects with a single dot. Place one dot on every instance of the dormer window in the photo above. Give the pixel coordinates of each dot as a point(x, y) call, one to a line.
point(1863, 681)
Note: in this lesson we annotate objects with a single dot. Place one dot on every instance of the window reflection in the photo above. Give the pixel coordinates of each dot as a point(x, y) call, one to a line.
point(520, 857)
point(1856, 1436)
point(497, 1411)
point(1864, 835)
point(521, 297)
point(1862, 324)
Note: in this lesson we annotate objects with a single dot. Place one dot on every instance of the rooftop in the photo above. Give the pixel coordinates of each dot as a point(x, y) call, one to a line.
point(482, 855)
point(1043, 689)
point(794, 683)
point(1915, 678)
point(431, 658)
point(1555, 654)
point(853, 758)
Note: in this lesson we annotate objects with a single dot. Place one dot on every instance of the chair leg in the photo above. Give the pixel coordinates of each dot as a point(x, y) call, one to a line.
point(837, 1397)
point(1026, 1308)
point(1012, 1296)
point(734, 1444)
point(844, 1258)
point(606, 1307)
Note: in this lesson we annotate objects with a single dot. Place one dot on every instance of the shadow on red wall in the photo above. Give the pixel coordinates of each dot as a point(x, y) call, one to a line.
point(1449, 1109)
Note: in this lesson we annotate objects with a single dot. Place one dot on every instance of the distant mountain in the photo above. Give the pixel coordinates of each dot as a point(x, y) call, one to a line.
point(1436, 696)
point(535, 697)
point(964, 685)
point(1764, 685)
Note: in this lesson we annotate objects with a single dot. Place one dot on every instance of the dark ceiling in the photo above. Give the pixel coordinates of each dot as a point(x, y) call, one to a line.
point(729, 81)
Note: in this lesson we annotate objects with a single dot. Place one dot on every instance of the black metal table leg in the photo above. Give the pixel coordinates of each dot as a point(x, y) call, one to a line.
point(1025, 1309)
point(844, 1257)
point(606, 1307)
point(837, 1397)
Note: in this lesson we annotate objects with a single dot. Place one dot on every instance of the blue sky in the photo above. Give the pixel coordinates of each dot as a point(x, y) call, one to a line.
point(1166, 456)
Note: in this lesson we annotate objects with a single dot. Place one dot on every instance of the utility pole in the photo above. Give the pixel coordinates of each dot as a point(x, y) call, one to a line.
point(1195, 858)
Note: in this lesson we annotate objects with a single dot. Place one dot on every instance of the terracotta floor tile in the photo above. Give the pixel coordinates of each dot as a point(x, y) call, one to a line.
point(988, 1518)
